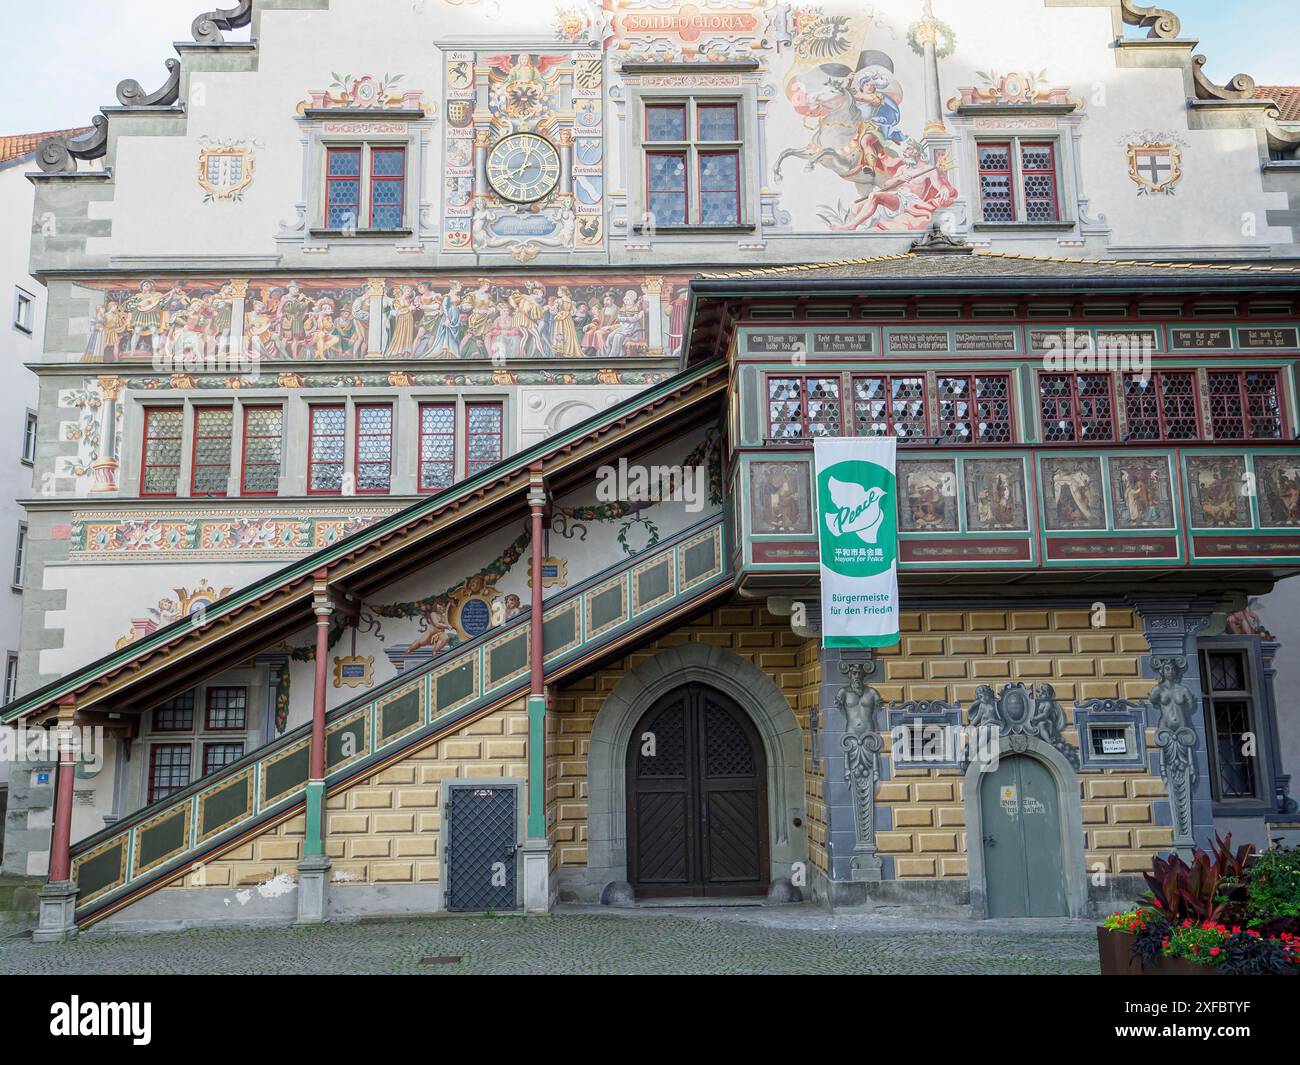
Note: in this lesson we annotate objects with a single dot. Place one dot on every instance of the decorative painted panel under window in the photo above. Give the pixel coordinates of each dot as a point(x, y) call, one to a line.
point(484, 433)
point(160, 465)
point(1245, 405)
point(325, 449)
point(213, 429)
point(175, 715)
point(342, 188)
point(802, 407)
point(374, 448)
point(975, 408)
point(263, 450)
point(227, 709)
point(889, 406)
point(387, 187)
point(1076, 407)
point(1235, 750)
point(1161, 407)
point(219, 755)
point(437, 446)
point(693, 163)
point(169, 769)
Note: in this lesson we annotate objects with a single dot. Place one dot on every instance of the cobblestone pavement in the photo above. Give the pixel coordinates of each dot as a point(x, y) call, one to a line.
point(798, 939)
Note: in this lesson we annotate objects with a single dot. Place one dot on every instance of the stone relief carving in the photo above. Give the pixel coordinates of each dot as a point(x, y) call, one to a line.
point(1160, 22)
point(1017, 713)
point(860, 704)
point(1240, 87)
point(1174, 703)
point(59, 155)
point(207, 27)
point(130, 93)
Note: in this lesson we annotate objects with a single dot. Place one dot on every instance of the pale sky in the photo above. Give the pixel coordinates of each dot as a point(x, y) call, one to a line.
point(62, 59)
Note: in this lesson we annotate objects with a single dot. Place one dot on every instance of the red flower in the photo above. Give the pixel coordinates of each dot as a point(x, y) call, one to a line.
point(1214, 952)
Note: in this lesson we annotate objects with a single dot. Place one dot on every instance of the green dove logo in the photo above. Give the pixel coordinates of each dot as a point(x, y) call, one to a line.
point(858, 510)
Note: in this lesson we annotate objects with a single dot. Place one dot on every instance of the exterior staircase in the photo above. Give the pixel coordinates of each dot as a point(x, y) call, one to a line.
point(152, 847)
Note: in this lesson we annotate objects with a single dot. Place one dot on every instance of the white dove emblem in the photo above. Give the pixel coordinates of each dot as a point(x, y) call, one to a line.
point(858, 510)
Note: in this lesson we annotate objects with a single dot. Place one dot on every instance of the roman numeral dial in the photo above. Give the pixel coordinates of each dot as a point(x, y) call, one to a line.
point(523, 168)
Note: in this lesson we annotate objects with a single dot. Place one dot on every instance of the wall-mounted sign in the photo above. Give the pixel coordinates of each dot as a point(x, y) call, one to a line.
point(857, 526)
point(985, 340)
point(354, 671)
point(1199, 339)
point(841, 343)
point(774, 343)
point(933, 341)
point(1268, 338)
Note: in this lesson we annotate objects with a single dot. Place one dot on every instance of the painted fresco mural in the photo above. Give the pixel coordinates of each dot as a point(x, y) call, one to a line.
point(494, 95)
point(497, 318)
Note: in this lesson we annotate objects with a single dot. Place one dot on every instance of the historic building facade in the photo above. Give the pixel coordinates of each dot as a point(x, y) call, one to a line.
point(347, 317)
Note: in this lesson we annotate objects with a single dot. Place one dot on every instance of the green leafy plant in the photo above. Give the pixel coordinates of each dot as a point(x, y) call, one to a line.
point(1274, 887)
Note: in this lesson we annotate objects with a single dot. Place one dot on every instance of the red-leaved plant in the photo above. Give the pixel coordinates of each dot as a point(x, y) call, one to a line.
point(1204, 889)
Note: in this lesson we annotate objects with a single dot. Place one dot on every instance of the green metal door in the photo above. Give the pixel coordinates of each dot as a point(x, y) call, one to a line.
point(1024, 869)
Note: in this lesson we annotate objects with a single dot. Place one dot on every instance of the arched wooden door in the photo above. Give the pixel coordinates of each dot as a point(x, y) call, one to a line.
point(696, 798)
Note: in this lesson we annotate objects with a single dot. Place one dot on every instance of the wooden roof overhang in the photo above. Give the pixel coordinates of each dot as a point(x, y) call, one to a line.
point(262, 614)
point(720, 302)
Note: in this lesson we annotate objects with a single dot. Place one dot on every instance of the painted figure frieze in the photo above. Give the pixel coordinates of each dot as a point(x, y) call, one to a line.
point(1072, 493)
point(1218, 492)
point(1277, 484)
point(995, 495)
point(929, 491)
point(186, 323)
point(1141, 495)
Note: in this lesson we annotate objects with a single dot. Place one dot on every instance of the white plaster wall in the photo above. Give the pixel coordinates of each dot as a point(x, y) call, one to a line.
point(18, 388)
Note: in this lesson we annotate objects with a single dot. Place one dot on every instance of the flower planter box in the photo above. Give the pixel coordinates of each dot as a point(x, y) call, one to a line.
point(1116, 952)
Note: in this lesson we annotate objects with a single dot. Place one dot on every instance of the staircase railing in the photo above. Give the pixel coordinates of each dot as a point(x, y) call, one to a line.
point(156, 842)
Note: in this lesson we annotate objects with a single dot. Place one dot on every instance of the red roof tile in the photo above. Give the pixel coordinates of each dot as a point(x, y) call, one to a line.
point(1287, 97)
point(21, 144)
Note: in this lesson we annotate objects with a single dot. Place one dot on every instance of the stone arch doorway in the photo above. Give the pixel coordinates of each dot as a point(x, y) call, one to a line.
point(696, 798)
point(1024, 846)
point(640, 688)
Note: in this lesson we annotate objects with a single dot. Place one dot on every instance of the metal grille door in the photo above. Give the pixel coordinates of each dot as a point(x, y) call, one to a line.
point(479, 848)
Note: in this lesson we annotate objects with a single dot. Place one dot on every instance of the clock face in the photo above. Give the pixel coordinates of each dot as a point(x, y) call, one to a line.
point(523, 167)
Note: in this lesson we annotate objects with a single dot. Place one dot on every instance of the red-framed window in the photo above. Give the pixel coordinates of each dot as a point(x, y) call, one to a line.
point(1076, 408)
point(803, 407)
point(263, 451)
point(1023, 170)
point(387, 187)
point(342, 188)
point(326, 441)
point(484, 436)
point(210, 465)
point(169, 769)
point(693, 162)
point(1162, 406)
point(374, 447)
point(997, 182)
point(889, 405)
point(437, 446)
point(975, 409)
point(160, 461)
point(219, 755)
point(1038, 181)
point(175, 715)
point(227, 709)
point(1245, 405)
